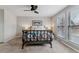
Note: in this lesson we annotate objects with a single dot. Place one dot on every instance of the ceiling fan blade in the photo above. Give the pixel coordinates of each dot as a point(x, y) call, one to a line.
point(27, 10)
point(33, 7)
point(36, 12)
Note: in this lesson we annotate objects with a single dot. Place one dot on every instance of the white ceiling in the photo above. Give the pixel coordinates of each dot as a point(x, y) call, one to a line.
point(44, 10)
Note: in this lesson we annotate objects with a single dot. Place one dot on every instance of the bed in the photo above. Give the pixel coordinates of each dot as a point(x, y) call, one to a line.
point(37, 37)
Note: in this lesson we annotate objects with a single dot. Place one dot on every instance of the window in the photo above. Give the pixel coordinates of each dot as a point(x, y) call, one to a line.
point(74, 26)
point(60, 26)
point(68, 25)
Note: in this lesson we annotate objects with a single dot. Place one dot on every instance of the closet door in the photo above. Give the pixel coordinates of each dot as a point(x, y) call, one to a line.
point(1, 25)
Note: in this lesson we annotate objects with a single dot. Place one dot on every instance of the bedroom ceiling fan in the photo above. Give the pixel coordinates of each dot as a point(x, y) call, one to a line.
point(33, 8)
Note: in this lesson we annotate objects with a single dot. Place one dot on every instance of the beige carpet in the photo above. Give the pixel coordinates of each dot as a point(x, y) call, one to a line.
point(14, 46)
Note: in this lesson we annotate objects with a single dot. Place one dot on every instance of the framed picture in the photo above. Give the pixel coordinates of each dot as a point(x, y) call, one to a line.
point(36, 22)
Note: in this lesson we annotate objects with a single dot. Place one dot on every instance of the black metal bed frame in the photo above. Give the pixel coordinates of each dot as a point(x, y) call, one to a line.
point(37, 37)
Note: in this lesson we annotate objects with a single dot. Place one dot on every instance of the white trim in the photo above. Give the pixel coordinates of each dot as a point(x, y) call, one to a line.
point(69, 44)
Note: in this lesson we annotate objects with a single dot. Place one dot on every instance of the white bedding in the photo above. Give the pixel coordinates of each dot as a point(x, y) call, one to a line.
point(38, 28)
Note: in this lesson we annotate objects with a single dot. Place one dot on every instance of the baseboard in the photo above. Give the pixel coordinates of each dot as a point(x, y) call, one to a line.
point(1, 42)
point(69, 44)
point(10, 38)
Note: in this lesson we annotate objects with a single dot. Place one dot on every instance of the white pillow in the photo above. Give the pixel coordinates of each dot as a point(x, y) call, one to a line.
point(38, 28)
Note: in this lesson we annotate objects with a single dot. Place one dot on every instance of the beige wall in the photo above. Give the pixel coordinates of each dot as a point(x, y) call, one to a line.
point(9, 25)
point(28, 21)
point(1, 25)
point(53, 24)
